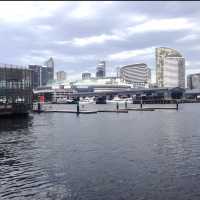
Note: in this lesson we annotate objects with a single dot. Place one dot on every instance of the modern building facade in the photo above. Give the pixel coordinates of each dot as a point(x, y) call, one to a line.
point(86, 76)
point(100, 85)
point(42, 75)
point(15, 89)
point(50, 65)
point(149, 75)
point(101, 69)
point(61, 76)
point(193, 81)
point(46, 75)
point(170, 68)
point(36, 75)
point(136, 74)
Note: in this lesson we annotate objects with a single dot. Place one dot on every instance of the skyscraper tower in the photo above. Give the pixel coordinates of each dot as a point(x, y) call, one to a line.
point(101, 69)
point(50, 65)
point(48, 71)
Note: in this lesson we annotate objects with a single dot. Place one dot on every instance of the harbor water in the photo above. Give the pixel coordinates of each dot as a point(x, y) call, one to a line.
point(103, 156)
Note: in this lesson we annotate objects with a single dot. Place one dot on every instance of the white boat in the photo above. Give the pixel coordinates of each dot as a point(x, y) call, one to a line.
point(86, 100)
point(119, 100)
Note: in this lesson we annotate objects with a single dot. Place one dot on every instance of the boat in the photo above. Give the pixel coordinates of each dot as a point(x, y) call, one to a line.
point(86, 100)
point(116, 99)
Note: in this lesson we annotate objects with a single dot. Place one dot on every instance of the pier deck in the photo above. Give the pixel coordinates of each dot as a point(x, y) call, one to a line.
point(70, 111)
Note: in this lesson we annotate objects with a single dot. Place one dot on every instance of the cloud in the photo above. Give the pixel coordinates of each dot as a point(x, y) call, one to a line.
point(131, 53)
point(25, 11)
point(95, 40)
point(188, 38)
point(174, 24)
point(83, 10)
point(155, 25)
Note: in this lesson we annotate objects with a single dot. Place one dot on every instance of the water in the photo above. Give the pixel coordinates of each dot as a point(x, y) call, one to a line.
point(104, 156)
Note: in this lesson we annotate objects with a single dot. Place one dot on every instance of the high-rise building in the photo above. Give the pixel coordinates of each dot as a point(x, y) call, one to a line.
point(193, 81)
point(148, 75)
point(86, 76)
point(118, 71)
point(36, 75)
point(61, 75)
point(101, 69)
point(46, 75)
point(170, 68)
point(50, 64)
point(136, 74)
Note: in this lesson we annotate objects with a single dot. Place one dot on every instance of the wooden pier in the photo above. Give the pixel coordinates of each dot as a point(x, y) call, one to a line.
point(69, 111)
point(140, 109)
point(114, 111)
point(81, 112)
point(78, 111)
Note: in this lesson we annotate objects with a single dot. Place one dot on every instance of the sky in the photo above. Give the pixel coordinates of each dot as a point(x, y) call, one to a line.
point(80, 34)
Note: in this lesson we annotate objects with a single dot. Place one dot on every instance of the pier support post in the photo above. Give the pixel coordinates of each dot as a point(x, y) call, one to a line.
point(117, 106)
point(176, 105)
point(39, 107)
point(141, 104)
point(126, 106)
point(77, 108)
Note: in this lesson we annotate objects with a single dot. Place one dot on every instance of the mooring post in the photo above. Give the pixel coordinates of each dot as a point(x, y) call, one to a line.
point(126, 106)
point(78, 109)
point(141, 104)
point(176, 104)
point(117, 106)
point(39, 107)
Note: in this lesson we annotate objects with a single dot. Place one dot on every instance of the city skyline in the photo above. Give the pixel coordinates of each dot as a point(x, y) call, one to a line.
point(93, 31)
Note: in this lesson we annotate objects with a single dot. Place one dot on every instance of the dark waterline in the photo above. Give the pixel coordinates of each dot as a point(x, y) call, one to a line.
point(139, 155)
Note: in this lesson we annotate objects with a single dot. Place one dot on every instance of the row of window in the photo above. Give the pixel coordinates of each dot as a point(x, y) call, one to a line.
point(16, 99)
point(15, 84)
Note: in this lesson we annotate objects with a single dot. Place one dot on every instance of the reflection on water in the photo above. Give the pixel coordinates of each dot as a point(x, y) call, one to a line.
point(15, 123)
point(139, 155)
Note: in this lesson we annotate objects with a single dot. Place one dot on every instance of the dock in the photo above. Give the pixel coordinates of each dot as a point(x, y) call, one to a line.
point(165, 108)
point(81, 112)
point(140, 109)
point(115, 111)
point(77, 111)
point(70, 111)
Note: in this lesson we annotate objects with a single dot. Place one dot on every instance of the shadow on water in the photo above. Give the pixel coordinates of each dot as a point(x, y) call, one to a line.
point(19, 158)
point(12, 132)
point(15, 123)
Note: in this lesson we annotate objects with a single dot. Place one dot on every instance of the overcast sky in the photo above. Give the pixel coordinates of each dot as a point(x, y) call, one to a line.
point(79, 34)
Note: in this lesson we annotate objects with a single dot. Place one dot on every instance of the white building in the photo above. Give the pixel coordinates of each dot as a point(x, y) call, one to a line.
point(170, 68)
point(136, 74)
